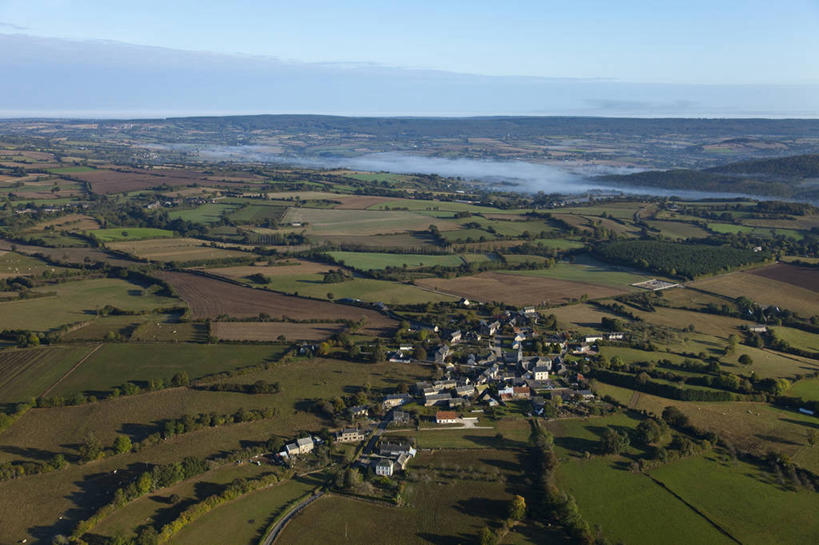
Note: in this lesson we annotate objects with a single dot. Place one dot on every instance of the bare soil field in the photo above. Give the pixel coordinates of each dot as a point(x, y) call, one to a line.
point(175, 249)
point(270, 331)
point(804, 277)
point(517, 290)
point(292, 267)
point(68, 255)
point(119, 181)
point(208, 298)
point(71, 222)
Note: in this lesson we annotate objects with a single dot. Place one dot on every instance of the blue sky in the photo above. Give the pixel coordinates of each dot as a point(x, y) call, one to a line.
point(667, 41)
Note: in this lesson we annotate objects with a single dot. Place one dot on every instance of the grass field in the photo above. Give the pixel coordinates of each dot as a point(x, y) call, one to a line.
point(631, 508)
point(591, 271)
point(97, 328)
point(76, 302)
point(366, 289)
point(678, 229)
point(744, 499)
point(115, 364)
point(27, 373)
point(13, 264)
point(582, 317)
point(206, 213)
point(369, 261)
point(807, 389)
point(116, 234)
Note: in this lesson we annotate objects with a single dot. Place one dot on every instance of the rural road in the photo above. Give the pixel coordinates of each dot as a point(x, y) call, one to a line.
point(277, 529)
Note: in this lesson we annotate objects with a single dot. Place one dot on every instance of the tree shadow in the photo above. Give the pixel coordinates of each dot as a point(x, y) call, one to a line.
point(30, 452)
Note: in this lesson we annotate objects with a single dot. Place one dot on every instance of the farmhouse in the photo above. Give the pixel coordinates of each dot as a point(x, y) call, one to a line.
point(446, 417)
point(358, 411)
point(401, 417)
point(395, 448)
point(349, 435)
point(515, 392)
point(303, 445)
point(437, 399)
point(541, 373)
point(384, 468)
point(396, 400)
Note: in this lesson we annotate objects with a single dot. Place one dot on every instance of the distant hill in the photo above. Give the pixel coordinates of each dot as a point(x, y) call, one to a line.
point(786, 177)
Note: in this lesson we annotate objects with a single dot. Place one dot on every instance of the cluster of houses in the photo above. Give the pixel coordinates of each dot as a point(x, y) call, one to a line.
point(393, 456)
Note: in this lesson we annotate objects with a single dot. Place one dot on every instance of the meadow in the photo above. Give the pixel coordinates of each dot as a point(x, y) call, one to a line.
point(116, 234)
point(367, 261)
point(179, 250)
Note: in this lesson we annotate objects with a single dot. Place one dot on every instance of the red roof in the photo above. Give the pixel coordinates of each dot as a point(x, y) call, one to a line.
point(446, 415)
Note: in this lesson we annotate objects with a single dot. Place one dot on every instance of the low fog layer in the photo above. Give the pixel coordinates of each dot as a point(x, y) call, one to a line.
point(514, 175)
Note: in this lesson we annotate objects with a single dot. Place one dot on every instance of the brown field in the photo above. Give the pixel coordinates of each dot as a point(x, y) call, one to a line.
point(298, 266)
point(803, 277)
point(763, 290)
point(582, 316)
point(516, 289)
point(122, 180)
point(407, 241)
point(208, 298)
point(175, 249)
point(270, 331)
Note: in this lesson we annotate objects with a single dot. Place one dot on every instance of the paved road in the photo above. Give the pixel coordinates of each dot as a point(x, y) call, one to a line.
point(277, 529)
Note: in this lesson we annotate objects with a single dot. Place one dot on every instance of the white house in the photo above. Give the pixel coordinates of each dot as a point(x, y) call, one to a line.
point(541, 372)
point(384, 468)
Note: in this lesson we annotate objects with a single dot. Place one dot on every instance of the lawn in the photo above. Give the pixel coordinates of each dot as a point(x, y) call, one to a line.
point(115, 364)
point(72, 302)
point(370, 260)
point(744, 499)
point(115, 234)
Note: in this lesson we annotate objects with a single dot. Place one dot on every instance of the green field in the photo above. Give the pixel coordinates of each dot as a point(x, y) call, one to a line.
point(362, 222)
point(27, 373)
point(70, 170)
point(366, 289)
point(115, 234)
point(115, 364)
point(744, 499)
point(78, 301)
point(798, 338)
point(807, 389)
point(678, 229)
point(368, 261)
point(13, 264)
point(206, 213)
point(420, 204)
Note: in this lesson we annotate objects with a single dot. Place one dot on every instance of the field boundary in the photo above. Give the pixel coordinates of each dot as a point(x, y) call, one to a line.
point(74, 368)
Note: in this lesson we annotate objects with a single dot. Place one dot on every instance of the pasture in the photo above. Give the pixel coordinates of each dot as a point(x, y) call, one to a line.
point(14, 264)
point(178, 250)
point(26, 373)
point(588, 270)
point(362, 222)
point(765, 289)
point(368, 261)
point(206, 213)
point(517, 289)
point(78, 301)
point(116, 234)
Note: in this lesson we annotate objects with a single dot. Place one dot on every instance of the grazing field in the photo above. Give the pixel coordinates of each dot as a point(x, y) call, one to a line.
point(586, 318)
point(630, 507)
point(13, 264)
point(807, 389)
point(169, 329)
point(115, 234)
point(752, 426)
point(410, 242)
point(116, 364)
point(678, 229)
point(76, 256)
point(270, 331)
point(27, 373)
point(365, 289)
point(803, 277)
point(428, 205)
point(158, 507)
point(744, 499)
point(438, 509)
point(70, 222)
point(209, 298)
point(362, 222)
point(181, 250)
point(78, 301)
point(206, 213)
point(98, 328)
point(591, 271)
point(368, 261)
point(763, 290)
point(517, 289)
point(244, 521)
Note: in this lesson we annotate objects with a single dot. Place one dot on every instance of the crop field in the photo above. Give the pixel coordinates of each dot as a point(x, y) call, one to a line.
point(254, 213)
point(744, 499)
point(289, 267)
point(362, 222)
point(427, 205)
point(517, 289)
point(105, 182)
point(78, 301)
point(169, 250)
point(115, 364)
point(270, 331)
point(409, 242)
point(631, 508)
point(77, 256)
point(368, 261)
point(209, 298)
point(763, 290)
point(115, 234)
point(13, 264)
point(27, 373)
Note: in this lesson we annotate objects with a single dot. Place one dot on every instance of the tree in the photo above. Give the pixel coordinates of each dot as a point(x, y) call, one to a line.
point(648, 431)
point(487, 536)
point(122, 444)
point(180, 379)
point(379, 352)
point(613, 442)
point(812, 436)
point(674, 417)
point(91, 447)
point(745, 359)
point(517, 509)
point(420, 352)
